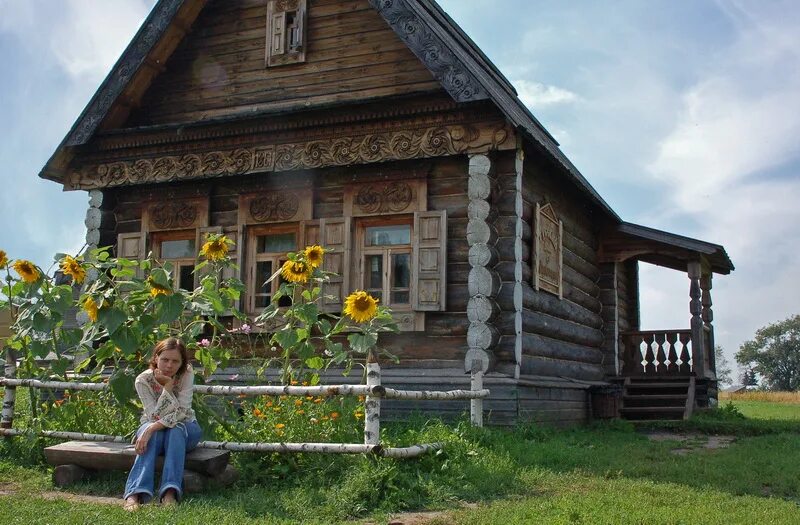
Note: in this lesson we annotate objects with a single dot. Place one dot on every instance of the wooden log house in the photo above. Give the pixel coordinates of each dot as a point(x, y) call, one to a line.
point(378, 129)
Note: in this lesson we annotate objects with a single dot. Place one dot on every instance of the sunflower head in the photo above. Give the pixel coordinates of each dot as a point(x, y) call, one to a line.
point(3, 259)
point(73, 268)
point(314, 255)
point(27, 270)
point(91, 309)
point(296, 271)
point(360, 306)
point(216, 248)
point(157, 289)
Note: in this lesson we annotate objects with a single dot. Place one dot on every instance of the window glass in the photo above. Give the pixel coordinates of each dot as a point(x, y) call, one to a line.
point(178, 249)
point(186, 277)
point(263, 289)
point(401, 277)
point(388, 235)
point(276, 243)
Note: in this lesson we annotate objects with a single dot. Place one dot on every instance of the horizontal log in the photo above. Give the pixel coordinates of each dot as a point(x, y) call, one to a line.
point(580, 281)
point(553, 327)
point(456, 205)
point(507, 272)
point(579, 297)
point(559, 368)
point(481, 308)
point(541, 346)
point(506, 226)
point(481, 254)
point(549, 304)
point(483, 281)
point(581, 265)
point(97, 219)
point(480, 232)
point(482, 336)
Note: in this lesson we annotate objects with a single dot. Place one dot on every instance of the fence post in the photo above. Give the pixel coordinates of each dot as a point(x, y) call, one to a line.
point(10, 395)
point(372, 404)
point(476, 405)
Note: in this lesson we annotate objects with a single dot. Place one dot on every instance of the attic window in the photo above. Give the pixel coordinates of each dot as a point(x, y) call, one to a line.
point(286, 32)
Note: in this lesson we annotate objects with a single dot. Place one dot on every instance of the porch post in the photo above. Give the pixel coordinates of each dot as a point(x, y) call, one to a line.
point(708, 318)
point(696, 323)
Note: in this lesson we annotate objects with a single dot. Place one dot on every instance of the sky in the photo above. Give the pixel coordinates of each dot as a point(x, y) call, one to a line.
point(685, 116)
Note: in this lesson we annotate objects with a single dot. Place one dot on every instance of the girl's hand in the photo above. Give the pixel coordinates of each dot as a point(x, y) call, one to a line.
point(141, 443)
point(163, 379)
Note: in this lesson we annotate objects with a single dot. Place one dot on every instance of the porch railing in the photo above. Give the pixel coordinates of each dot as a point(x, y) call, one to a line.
point(657, 352)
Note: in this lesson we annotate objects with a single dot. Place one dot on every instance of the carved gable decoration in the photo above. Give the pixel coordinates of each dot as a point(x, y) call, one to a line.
point(175, 214)
point(547, 250)
point(279, 205)
point(385, 198)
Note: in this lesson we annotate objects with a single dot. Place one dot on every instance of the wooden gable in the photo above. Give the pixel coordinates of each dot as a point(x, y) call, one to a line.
point(219, 69)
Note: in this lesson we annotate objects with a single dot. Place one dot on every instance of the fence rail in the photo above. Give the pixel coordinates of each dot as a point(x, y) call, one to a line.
point(373, 392)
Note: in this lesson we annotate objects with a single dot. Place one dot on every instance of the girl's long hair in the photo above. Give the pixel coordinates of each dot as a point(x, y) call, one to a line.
point(170, 343)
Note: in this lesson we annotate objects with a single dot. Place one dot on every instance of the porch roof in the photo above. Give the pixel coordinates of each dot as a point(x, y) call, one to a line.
point(632, 241)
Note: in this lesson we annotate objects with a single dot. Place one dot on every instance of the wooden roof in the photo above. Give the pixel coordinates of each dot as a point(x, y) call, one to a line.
point(455, 61)
point(632, 241)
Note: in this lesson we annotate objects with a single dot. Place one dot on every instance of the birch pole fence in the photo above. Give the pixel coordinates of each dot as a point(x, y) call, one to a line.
point(373, 391)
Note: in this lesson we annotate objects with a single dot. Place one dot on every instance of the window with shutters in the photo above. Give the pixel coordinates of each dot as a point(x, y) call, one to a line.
point(286, 38)
point(177, 252)
point(385, 260)
point(267, 247)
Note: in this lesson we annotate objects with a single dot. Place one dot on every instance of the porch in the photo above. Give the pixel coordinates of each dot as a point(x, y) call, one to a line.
point(665, 374)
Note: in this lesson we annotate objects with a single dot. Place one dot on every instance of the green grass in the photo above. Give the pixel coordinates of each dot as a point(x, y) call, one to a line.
point(607, 473)
point(769, 411)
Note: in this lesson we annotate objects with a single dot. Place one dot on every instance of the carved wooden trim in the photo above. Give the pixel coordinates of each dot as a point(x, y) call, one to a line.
point(385, 198)
point(128, 65)
point(548, 251)
point(431, 50)
point(342, 151)
point(180, 214)
point(282, 205)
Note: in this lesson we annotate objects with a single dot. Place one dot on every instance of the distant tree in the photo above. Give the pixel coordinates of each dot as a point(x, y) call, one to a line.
point(748, 377)
point(724, 370)
point(775, 354)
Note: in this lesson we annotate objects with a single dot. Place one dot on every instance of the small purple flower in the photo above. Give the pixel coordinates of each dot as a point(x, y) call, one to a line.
point(246, 329)
point(205, 343)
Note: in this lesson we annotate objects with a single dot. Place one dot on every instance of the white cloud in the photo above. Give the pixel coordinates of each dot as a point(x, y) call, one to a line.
point(536, 94)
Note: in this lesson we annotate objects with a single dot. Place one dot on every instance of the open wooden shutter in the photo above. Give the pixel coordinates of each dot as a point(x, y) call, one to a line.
point(309, 234)
point(132, 246)
point(429, 261)
point(334, 236)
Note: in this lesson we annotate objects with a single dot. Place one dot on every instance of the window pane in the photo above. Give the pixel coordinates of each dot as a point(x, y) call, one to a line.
point(276, 243)
point(400, 298)
point(401, 270)
point(263, 272)
point(186, 277)
point(179, 249)
point(284, 300)
point(388, 235)
point(262, 301)
point(374, 274)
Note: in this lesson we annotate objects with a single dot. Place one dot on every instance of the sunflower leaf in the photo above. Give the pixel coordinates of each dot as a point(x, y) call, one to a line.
point(112, 318)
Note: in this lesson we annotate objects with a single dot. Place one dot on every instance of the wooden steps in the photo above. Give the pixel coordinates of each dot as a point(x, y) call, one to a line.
point(650, 398)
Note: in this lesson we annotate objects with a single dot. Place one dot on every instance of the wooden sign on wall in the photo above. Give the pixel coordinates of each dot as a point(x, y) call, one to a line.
point(547, 251)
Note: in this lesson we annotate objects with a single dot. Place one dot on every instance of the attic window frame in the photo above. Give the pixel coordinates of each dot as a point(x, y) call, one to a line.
point(290, 50)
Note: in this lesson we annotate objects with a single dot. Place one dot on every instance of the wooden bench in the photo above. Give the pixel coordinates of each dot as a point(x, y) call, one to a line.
point(74, 460)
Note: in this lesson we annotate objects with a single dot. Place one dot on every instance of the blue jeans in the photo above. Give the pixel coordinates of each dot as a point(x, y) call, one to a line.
point(173, 443)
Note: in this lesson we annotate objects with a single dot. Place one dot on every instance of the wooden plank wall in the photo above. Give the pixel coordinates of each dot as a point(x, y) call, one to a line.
point(218, 70)
point(553, 406)
point(610, 313)
point(561, 337)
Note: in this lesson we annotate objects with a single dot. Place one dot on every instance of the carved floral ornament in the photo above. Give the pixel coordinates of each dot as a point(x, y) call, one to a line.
point(363, 149)
point(384, 198)
point(172, 215)
point(274, 207)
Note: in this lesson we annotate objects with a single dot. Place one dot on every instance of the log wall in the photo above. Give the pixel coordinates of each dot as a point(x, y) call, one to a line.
point(218, 69)
point(560, 337)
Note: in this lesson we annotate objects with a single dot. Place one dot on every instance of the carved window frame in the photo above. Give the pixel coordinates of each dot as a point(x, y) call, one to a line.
point(253, 258)
point(546, 220)
point(286, 39)
point(176, 264)
point(385, 197)
point(362, 250)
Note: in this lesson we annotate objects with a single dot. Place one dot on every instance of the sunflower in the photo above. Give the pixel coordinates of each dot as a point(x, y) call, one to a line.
point(314, 255)
point(215, 248)
point(360, 306)
point(157, 289)
point(27, 270)
point(3, 259)
point(295, 271)
point(91, 309)
point(73, 268)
